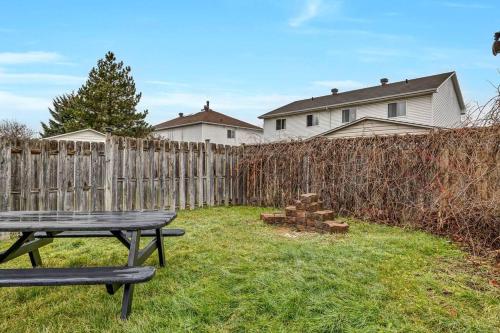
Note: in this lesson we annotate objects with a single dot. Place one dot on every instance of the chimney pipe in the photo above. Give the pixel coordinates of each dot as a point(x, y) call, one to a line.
point(335, 91)
point(207, 106)
point(181, 114)
point(384, 81)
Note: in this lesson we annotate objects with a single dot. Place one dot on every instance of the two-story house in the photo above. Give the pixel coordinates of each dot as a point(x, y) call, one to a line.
point(409, 106)
point(209, 125)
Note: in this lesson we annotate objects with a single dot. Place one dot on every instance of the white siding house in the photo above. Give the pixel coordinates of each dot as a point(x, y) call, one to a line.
point(209, 125)
point(433, 101)
point(88, 135)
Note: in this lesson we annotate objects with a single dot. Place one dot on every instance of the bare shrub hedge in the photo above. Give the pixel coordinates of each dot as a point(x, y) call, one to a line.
point(446, 182)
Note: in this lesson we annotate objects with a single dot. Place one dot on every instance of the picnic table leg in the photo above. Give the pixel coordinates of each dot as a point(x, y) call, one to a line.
point(36, 260)
point(128, 291)
point(159, 245)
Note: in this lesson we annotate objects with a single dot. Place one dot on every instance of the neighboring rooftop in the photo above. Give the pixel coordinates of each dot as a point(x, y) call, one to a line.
point(422, 85)
point(207, 116)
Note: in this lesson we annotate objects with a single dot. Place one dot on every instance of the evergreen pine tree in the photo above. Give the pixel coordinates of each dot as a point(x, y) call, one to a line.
point(65, 116)
point(108, 99)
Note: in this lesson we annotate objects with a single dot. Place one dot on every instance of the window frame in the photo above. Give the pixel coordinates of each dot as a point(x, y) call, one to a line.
point(314, 120)
point(351, 115)
point(280, 124)
point(231, 133)
point(405, 103)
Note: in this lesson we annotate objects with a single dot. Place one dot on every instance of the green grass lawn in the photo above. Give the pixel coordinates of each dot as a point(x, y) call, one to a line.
point(232, 273)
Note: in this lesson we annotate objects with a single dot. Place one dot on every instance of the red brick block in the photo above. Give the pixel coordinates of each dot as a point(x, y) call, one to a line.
point(324, 215)
point(291, 211)
point(335, 227)
point(279, 218)
point(312, 207)
point(308, 198)
point(266, 216)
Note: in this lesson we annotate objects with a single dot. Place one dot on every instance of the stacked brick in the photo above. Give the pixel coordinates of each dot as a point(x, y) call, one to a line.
point(307, 214)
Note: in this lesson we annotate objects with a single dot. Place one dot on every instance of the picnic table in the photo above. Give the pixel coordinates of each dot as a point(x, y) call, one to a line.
point(37, 229)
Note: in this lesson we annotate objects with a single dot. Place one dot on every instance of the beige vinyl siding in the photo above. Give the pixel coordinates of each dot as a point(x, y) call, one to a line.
point(192, 133)
point(418, 110)
point(371, 128)
point(296, 126)
point(446, 109)
point(214, 133)
point(218, 134)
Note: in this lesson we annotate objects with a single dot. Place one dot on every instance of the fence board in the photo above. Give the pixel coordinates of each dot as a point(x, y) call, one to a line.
point(120, 174)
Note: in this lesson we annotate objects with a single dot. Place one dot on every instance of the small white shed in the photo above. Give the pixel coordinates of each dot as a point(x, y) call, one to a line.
point(88, 135)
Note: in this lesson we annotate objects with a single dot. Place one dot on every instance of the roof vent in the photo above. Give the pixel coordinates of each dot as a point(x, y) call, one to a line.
point(406, 81)
point(384, 81)
point(335, 91)
point(181, 114)
point(207, 106)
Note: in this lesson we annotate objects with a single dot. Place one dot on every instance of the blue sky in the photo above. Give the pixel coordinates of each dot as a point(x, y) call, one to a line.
point(246, 57)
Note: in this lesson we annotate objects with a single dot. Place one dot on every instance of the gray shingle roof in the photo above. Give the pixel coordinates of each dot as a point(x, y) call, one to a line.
point(407, 87)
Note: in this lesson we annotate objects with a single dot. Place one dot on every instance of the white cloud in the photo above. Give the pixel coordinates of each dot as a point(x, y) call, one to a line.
point(310, 11)
point(12, 58)
point(342, 85)
point(10, 102)
point(29, 78)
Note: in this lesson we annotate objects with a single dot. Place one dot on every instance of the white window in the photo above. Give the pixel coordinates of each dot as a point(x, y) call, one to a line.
point(280, 124)
point(348, 115)
point(231, 134)
point(396, 109)
point(312, 120)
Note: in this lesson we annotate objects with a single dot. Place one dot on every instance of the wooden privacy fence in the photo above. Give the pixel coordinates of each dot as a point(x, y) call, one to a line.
point(121, 174)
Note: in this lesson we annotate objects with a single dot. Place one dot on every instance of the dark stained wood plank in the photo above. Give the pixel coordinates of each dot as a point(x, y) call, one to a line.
point(74, 276)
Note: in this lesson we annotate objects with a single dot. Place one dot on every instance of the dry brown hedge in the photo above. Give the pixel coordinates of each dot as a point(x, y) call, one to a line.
point(446, 182)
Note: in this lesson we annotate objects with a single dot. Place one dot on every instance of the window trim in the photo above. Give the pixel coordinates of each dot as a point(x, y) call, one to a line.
point(314, 120)
point(351, 112)
point(282, 122)
point(405, 102)
point(228, 135)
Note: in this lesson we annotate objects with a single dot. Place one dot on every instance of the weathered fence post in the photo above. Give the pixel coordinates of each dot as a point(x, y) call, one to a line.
point(210, 172)
point(5, 164)
point(108, 191)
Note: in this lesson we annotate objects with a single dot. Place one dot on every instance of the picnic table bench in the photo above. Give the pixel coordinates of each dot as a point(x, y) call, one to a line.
point(38, 229)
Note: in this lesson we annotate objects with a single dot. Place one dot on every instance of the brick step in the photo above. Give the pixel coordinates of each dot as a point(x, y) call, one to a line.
point(323, 215)
point(335, 227)
point(291, 211)
point(273, 218)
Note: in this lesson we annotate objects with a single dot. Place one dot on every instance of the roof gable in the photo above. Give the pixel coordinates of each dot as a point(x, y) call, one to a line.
point(382, 120)
point(206, 116)
point(422, 85)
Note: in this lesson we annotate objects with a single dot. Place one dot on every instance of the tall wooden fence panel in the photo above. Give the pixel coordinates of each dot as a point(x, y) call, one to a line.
point(121, 174)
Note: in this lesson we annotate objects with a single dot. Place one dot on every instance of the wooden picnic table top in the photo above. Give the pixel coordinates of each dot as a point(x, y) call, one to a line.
point(32, 221)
